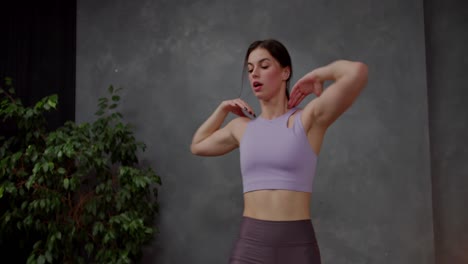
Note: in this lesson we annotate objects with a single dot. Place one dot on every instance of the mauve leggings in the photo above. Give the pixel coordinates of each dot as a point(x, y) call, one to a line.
point(275, 242)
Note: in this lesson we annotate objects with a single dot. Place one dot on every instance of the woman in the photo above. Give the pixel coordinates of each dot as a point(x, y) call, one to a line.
point(279, 149)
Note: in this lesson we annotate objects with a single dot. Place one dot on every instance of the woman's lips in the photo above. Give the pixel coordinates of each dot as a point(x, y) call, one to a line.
point(257, 86)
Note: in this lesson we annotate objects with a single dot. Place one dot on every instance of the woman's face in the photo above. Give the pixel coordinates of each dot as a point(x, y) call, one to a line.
point(266, 75)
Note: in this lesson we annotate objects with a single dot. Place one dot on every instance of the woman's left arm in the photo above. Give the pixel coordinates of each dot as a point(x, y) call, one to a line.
point(349, 78)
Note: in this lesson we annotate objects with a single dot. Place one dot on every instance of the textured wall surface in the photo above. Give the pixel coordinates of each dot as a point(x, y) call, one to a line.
point(447, 39)
point(177, 60)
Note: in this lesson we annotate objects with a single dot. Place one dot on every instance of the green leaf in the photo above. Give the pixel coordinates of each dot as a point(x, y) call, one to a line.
point(37, 245)
point(29, 113)
point(28, 220)
point(113, 106)
point(89, 248)
point(61, 170)
point(92, 207)
point(31, 259)
point(66, 183)
point(48, 256)
point(9, 187)
point(106, 238)
point(1, 191)
point(45, 166)
point(97, 228)
point(111, 89)
point(8, 81)
point(115, 98)
point(36, 168)
point(30, 182)
point(41, 259)
point(51, 102)
point(11, 91)
point(39, 105)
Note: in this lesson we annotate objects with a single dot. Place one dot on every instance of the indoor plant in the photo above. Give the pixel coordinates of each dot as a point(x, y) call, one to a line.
point(78, 189)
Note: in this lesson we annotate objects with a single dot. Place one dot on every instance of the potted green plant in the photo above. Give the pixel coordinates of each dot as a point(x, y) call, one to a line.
point(78, 189)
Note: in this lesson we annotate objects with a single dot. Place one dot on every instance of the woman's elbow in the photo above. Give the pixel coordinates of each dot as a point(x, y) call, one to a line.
point(194, 149)
point(200, 150)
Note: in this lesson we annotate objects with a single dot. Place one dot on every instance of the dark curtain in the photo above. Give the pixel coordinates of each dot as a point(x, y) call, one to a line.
point(38, 51)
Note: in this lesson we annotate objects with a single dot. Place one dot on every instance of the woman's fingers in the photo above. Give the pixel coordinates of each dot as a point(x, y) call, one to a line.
point(247, 107)
point(318, 88)
point(242, 106)
point(296, 87)
point(305, 86)
point(299, 99)
point(294, 98)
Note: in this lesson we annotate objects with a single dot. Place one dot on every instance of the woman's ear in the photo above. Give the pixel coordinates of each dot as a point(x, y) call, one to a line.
point(286, 74)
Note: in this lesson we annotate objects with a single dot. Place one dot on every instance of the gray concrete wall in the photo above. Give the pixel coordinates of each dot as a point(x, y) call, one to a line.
point(447, 39)
point(177, 60)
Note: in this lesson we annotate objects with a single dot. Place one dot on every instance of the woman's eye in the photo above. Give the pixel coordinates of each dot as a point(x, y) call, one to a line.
point(265, 67)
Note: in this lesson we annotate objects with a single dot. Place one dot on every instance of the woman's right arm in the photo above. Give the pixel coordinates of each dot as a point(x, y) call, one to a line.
point(210, 139)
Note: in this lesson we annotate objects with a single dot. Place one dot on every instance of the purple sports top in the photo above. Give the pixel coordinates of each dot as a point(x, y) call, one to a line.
point(273, 156)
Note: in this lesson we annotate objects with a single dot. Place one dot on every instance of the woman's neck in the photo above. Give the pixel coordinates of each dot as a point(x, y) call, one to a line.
point(274, 107)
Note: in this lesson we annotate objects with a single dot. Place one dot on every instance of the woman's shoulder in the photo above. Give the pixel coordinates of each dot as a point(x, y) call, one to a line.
point(238, 126)
point(240, 121)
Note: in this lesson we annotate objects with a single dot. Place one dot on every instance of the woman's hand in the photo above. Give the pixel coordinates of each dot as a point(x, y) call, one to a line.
point(237, 107)
point(310, 83)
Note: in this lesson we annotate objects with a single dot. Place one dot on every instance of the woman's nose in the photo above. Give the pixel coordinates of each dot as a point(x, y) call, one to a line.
point(255, 72)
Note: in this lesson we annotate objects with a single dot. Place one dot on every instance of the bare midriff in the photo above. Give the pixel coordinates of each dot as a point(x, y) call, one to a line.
point(277, 205)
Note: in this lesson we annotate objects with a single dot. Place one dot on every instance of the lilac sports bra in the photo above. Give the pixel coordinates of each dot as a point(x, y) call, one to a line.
point(273, 156)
